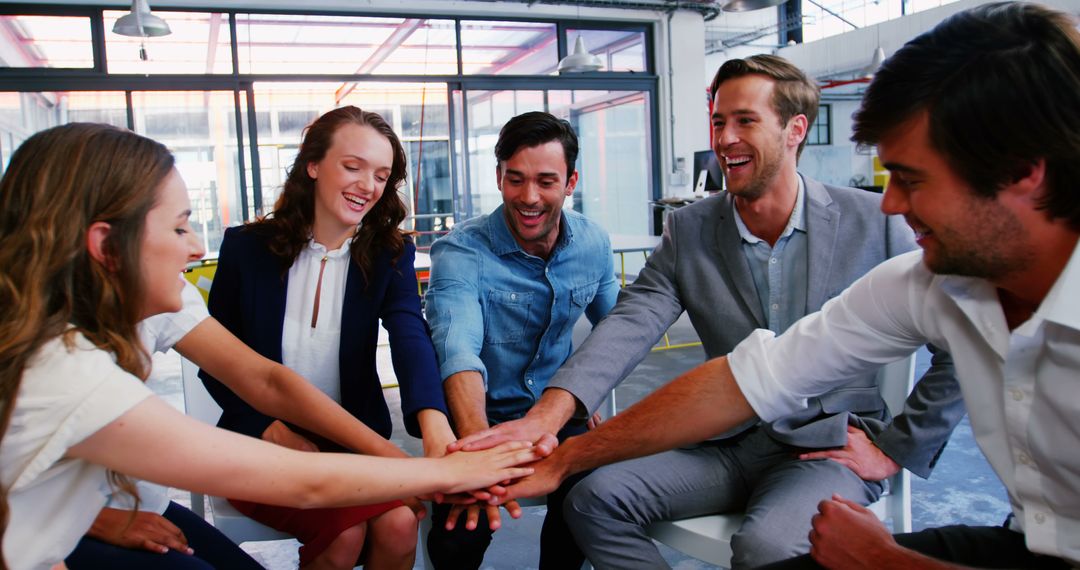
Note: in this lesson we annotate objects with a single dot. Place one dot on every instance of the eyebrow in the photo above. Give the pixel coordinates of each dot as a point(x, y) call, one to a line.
point(512, 172)
point(184, 215)
point(897, 167)
point(736, 112)
point(365, 161)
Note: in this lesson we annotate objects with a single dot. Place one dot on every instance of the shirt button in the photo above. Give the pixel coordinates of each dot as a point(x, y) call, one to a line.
point(1024, 459)
point(775, 306)
point(529, 382)
point(772, 260)
point(1017, 394)
point(1040, 518)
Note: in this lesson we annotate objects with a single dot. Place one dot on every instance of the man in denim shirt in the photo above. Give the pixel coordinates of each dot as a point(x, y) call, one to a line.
point(506, 289)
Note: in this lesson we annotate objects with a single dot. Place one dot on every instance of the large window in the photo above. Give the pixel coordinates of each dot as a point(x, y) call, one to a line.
point(822, 19)
point(446, 86)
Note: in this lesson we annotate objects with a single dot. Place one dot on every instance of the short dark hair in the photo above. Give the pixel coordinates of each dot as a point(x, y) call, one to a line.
point(793, 94)
point(534, 129)
point(1001, 86)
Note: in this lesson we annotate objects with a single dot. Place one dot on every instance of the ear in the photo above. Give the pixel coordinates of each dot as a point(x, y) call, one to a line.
point(498, 176)
point(313, 170)
point(798, 127)
point(95, 244)
point(571, 183)
point(1029, 182)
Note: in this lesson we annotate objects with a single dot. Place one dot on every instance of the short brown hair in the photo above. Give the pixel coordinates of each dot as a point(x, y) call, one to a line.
point(794, 93)
point(1001, 85)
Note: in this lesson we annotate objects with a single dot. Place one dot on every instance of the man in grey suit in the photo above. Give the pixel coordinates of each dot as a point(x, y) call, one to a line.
point(773, 248)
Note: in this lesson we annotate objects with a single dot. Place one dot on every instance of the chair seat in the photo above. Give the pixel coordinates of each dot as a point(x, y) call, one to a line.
point(238, 527)
point(706, 538)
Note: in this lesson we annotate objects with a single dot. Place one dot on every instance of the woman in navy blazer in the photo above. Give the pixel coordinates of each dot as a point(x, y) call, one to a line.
point(333, 205)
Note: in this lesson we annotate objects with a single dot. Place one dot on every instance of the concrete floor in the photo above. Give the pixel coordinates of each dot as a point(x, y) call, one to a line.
point(962, 488)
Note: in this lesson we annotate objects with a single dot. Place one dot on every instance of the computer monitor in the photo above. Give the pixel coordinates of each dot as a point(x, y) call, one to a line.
point(707, 174)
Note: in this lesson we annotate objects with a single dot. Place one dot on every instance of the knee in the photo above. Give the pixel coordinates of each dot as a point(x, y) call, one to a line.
point(344, 550)
point(596, 496)
point(751, 548)
point(395, 531)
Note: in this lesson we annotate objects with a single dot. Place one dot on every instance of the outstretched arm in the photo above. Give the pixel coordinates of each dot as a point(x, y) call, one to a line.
point(202, 458)
point(699, 404)
point(277, 391)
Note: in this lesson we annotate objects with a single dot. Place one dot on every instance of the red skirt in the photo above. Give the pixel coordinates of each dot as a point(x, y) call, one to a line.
point(314, 528)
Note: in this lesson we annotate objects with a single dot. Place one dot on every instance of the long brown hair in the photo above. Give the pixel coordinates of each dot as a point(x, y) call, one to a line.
point(58, 183)
point(289, 226)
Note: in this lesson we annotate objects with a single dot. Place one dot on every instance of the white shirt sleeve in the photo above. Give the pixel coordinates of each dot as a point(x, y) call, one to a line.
point(160, 332)
point(872, 323)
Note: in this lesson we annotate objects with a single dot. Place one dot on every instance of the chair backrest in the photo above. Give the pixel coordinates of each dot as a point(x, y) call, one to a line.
point(197, 401)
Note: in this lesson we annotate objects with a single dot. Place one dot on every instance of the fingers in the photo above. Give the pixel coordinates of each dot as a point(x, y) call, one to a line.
point(513, 509)
point(483, 439)
point(494, 520)
point(546, 444)
point(849, 503)
point(472, 517)
point(513, 473)
point(594, 421)
point(452, 518)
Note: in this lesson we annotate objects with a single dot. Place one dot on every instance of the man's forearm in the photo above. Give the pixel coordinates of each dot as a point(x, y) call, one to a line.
point(555, 407)
point(698, 405)
point(467, 400)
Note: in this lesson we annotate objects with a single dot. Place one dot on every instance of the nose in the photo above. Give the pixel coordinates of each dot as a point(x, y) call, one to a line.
point(196, 251)
point(895, 200)
point(724, 136)
point(530, 194)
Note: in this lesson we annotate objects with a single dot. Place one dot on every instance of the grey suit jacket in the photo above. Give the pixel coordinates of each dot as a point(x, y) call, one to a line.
point(699, 267)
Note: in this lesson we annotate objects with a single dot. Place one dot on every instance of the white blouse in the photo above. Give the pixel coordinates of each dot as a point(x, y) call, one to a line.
point(310, 341)
point(66, 395)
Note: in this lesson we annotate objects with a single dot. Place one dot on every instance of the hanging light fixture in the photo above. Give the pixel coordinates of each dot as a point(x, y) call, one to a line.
point(580, 60)
point(140, 23)
point(748, 5)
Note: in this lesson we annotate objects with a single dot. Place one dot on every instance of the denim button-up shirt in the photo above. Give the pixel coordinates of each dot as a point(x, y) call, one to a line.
point(510, 315)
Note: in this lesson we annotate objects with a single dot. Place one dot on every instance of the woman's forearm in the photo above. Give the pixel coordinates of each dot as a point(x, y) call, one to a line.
point(277, 391)
point(196, 456)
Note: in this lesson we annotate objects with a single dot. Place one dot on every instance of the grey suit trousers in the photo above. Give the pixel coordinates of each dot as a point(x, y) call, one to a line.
point(609, 510)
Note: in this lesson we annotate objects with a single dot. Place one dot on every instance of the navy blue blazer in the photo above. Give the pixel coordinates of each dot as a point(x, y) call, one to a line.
point(248, 298)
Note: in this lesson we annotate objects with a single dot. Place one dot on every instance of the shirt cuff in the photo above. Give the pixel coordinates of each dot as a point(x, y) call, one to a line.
point(767, 395)
point(463, 363)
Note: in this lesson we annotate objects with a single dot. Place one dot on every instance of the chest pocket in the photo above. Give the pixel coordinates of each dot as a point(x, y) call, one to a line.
point(583, 295)
point(508, 315)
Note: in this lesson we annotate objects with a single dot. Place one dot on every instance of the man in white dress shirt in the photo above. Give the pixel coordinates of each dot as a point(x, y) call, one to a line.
point(978, 121)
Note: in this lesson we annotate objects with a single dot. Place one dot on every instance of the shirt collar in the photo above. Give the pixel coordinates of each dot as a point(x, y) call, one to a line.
point(503, 242)
point(797, 221)
point(1060, 304)
point(316, 248)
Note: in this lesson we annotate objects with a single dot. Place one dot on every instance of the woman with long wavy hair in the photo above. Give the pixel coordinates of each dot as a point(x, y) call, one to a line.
point(308, 286)
point(94, 233)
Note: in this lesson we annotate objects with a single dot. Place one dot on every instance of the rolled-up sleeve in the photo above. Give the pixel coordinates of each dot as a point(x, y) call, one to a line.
point(870, 324)
point(453, 307)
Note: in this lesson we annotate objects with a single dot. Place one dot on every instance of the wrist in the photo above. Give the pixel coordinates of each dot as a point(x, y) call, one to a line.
point(555, 408)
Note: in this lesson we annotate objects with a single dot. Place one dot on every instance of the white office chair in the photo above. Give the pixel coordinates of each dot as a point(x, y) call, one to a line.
point(233, 524)
point(709, 537)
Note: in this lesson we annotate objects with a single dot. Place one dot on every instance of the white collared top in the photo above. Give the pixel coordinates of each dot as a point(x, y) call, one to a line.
point(313, 351)
point(1021, 387)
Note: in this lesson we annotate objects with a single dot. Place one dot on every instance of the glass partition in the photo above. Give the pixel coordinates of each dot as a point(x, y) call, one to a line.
point(194, 125)
point(614, 160)
point(46, 42)
point(199, 43)
point(345, 45)
point(504, 48)
point(23, 114)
